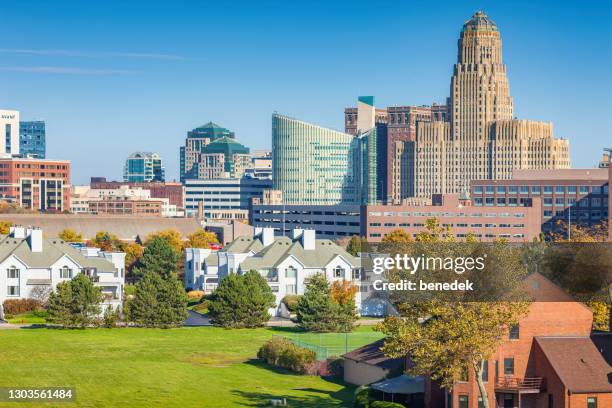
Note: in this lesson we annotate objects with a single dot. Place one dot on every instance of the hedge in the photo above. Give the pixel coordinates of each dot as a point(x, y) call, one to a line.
point(281, 352)
point(20, 306)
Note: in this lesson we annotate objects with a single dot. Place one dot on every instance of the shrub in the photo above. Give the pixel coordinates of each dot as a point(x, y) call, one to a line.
point(75, 303)
point(195, 294)
point(158, 302)
point(385, 404)
point(109, 320)
point(291, 301)
point(202, 307)
point(281, 352)
point(20, 306)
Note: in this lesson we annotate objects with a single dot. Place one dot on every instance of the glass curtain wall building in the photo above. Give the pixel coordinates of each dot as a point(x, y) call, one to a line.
point(32, 139)
point(143, 167)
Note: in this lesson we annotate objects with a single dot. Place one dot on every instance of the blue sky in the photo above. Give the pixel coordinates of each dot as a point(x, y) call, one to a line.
point(112, 77)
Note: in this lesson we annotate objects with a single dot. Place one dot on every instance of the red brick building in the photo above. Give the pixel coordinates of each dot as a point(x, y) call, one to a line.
point(174, 192)
point(516, 224)
point(36, 184)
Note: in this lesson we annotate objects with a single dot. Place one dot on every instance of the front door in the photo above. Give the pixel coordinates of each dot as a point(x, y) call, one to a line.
point(509, 401)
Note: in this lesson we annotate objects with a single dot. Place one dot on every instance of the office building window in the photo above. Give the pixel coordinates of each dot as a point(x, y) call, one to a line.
point(535, 190)
point(592, 402)
point(464, 401)
point(485, 371)
point(480, 403)
point(509, 366)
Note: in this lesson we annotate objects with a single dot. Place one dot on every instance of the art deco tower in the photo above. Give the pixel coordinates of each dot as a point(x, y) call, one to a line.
point(481, 140)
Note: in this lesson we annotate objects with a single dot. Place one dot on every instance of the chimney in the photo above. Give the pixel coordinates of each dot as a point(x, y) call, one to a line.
point(308, 240)
point(267, 236)
point(19, 232)
point(296, 233)
point(36, 240)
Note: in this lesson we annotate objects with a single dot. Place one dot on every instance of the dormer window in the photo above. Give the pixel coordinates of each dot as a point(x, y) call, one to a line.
point(13, 272)
point(339, 272)
point(65, 272)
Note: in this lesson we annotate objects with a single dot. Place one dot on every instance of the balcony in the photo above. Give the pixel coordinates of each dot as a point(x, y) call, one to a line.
point(516, 385)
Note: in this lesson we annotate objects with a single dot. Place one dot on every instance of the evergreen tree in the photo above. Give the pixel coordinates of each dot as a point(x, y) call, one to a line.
point(158, 257)
point(357, 244)
point(158, 302)
point(317, 311)
point(241, 301)
point(75, 303)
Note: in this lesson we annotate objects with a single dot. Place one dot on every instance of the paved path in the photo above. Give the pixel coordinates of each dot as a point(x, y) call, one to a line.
point(196, 319)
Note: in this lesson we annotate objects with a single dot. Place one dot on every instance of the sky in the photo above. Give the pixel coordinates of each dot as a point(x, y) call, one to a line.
point(114, 77)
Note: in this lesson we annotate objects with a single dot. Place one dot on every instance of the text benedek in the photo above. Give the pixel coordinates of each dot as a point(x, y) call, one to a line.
point(424, 286)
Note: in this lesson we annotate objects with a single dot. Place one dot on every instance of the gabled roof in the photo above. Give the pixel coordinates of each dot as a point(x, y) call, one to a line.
point(578, 363)
point(52, 250)
point(243, 245)
point(372, 354)
point(283, 247)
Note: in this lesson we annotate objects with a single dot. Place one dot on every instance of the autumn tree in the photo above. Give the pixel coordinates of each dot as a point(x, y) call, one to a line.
point(5, 226)
point(172, 236)
point(158, 257)
point(397, 236)
point(133, 253)
point(70, 235)
point(357, 244)
point(201, 239)
point(106, 242)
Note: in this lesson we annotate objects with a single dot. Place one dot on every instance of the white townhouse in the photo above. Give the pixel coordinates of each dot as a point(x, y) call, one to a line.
point(28, 260)
point(285, 262)
point(201, 271)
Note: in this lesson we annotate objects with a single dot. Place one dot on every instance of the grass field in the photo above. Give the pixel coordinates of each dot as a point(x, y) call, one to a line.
point(186, 367)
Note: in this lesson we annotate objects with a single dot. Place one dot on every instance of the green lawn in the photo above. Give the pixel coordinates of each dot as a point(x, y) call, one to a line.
point(28, 318)
point(186, 367)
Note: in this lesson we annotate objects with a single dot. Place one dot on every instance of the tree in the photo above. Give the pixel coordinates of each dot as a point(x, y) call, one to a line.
point(456, 336)
point(158, 257)
point(318, 311)
point(106, 242)
point(75, 303)
point(70, 235)
point(158, 302)
point(5, 227)
point(241, 301)
point(343, 294)
point(357, 244)
point(397, 236)
point(172, 236)
point(201, 239)
point(133, 253)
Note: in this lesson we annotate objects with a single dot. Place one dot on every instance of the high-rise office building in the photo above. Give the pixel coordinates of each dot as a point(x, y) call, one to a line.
point(9, 133)
point(195, 144)
point(313, 165)
point(482, 140)
point(143, 167)
point(223, 157)
point(32, 139)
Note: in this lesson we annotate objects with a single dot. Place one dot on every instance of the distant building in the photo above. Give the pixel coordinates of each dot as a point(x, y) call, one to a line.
point(32, 139)
point(36, 184)
point(224, 157)
point(606, 160)
point(31, 261)
point(9, 133)
point(313, 165)
point(173, 191)
point(568, 196)
point(143, 167)
point(222, 199)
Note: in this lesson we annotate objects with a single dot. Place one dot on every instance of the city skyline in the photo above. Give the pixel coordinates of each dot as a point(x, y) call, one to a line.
point(96, 87)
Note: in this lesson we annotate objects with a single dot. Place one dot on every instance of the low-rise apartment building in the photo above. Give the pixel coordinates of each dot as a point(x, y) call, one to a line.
point(28, 260)
point(285, 262)
point(36, 184)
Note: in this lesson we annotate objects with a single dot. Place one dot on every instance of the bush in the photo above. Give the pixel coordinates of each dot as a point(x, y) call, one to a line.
point(202, 307)
point(281, 352)
point(20, 306)
point(109, 320)
point(195, 294)
point(362, 397)
point(157, 302)
point(385, 404)
point(291, 301)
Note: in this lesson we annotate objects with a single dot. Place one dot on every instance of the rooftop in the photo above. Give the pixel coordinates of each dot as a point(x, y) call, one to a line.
point(480, 22)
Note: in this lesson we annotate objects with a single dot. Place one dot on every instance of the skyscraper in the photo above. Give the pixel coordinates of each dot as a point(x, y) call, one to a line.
point(9, 133)
point(143, 167)
point(482, 140)
point(32, 139)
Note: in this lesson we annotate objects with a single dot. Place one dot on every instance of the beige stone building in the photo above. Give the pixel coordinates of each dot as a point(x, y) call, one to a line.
point(482, 140)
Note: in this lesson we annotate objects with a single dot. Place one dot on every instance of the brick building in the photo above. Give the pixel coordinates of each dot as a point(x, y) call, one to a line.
point(519, 223)
point(36, 184)
point(127, 206)
point(569, 196)
point(174, 192)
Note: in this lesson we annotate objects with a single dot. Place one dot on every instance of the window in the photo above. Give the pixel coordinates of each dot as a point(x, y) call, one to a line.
point(501, 189)
point(463, 401)
point(509, 366)
point(13, 273)
point(548, 189)
point(592, 402)
point(65, 272)
point(338, 272)
point(290, 272)
point(12, 291)
point(535, 190)
point(290, 289)
point(559, 189)
point(485, 371)
point(480, 403)
point(356, 274)
point(514, 332)
point(550, 401)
